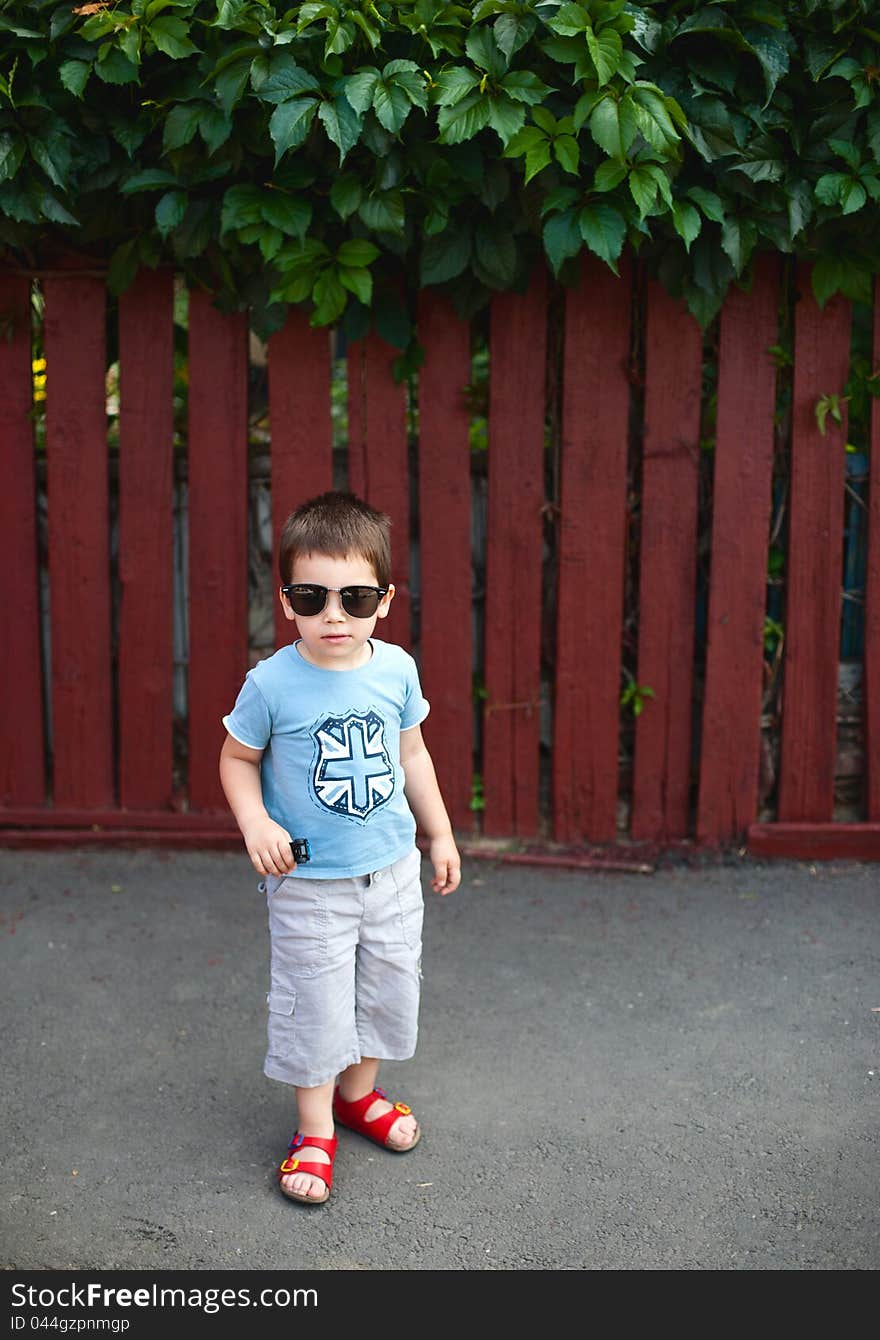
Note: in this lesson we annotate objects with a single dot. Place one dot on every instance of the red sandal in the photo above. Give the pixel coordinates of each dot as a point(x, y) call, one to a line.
point(322, 1170)
point(353, 1115)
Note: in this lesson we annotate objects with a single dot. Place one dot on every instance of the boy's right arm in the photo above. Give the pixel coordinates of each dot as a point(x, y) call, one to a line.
point(268, 844)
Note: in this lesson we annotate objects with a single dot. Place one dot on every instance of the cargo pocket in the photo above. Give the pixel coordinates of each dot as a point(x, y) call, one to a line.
point(282, 1021)
point(298, 925)
point(407, 878)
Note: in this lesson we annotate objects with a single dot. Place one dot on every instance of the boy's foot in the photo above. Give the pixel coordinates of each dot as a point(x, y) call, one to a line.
point(306, 1185)
point(400, 1135)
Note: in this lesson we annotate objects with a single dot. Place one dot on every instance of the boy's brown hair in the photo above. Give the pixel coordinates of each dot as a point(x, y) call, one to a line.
point(337, 525)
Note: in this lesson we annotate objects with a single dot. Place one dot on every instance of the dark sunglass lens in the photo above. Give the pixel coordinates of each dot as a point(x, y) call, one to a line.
point(361, 602)
point(307, 600)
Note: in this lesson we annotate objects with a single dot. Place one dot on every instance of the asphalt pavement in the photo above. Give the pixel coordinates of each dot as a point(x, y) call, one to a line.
point(616, 1071)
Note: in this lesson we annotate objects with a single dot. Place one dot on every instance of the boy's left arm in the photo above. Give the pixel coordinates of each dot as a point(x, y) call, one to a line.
point(426, 803)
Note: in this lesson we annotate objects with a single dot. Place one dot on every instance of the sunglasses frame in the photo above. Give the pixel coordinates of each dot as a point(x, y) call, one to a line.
point(379, 591)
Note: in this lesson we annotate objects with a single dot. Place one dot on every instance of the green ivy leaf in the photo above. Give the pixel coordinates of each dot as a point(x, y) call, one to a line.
point(54, 155)
point(466, 119)
point(643, 188)
point(505, 117)
point(606, 49)
point(524, 86)
point(391, 105)
point(613, 126)
point(346, 194)
point(738, 238)
point(170, 211)
point(359, 88)
point(171, 37)
point(604, 231)
point(150, 179)
point(214, 127)
point(357, 281)
point(485, 52)
point(384, 212)
point(242, 205)
point(74, 75)
point(512, 31)
point(342, 124)
point(609, 175)
point(452, 85)
point(114, 67)
point(357, 252)
point(709, 203)
point(290, 123)
point(329, 298)
point(562, 238)
point(567, 153)
point(445, 256)
point(181, 124)
point(289, 214)
point(287, 83)
point(686, 222)
point(12, 150)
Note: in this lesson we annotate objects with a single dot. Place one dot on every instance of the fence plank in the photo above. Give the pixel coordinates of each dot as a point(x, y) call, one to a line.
point(662, 766)
point(79, 542)
point(813, 574)
point(218, 535)
point(146, 520)
point(22, 769)
point(871, 677)
point(378, 462)
point(445, 550)
point(511, 719)
point(731, 731)
point(302, 436)
point(592, 532)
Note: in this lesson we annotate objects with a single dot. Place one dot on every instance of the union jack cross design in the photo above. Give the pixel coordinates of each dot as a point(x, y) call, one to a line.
point(352, 773)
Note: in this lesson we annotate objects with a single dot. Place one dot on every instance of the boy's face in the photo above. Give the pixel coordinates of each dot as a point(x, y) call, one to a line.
point(334, 639)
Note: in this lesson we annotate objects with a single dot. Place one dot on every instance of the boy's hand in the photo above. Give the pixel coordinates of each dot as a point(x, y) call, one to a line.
point(268, 846)
point(446, 862)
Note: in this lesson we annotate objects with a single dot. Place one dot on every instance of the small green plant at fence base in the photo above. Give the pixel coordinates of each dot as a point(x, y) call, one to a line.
point(774, 635)
point(829, 405)
point(478, 801)
point(634, 696)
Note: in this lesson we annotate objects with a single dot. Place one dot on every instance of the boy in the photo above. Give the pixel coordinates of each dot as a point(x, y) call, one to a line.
point(324, 742)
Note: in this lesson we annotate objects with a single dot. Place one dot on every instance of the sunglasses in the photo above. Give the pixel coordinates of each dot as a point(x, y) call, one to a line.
point(361, 602)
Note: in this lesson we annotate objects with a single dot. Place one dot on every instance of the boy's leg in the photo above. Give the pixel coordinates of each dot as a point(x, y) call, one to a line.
point(314, 1117)
point(359, 1080)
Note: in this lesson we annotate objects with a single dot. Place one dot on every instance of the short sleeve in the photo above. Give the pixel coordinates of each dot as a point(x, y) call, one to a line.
point(415, 707)
point(250, 722)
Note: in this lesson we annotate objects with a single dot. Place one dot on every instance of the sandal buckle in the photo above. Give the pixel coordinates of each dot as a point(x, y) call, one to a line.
point(289, 1165)
point(402, 1108)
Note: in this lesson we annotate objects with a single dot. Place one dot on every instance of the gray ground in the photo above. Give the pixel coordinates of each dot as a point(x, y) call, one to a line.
point(668, 1071)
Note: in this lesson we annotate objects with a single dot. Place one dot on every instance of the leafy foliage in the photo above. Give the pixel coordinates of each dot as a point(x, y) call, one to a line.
point(341, 154)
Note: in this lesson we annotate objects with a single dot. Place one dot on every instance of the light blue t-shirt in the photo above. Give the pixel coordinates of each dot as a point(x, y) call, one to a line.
point(331, 768)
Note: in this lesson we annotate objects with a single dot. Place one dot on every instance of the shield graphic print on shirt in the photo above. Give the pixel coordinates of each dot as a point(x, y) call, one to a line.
point(352, 773)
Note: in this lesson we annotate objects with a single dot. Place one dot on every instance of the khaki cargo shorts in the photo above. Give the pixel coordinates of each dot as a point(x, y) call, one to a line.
point(346, 971)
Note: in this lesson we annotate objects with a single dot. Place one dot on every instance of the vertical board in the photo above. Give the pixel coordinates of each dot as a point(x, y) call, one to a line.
point(79, 541)
point(146, 519)
point(445, 550)
point(22, 779)
point(731, 733)
point(667, 568)
point(517, 354)
point(218, 535)
point(302, 437)
point(592, 532)
point(871, 678)
point(378, 462)
point(813, 570)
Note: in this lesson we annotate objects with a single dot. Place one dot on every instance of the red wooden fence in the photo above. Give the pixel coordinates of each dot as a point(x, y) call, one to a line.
point(87, 755)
